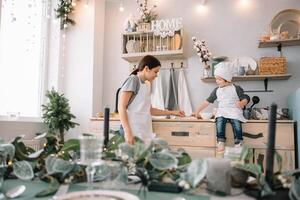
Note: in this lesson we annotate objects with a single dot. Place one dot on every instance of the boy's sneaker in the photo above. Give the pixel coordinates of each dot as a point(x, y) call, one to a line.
point(239, 145)
point(220, 147)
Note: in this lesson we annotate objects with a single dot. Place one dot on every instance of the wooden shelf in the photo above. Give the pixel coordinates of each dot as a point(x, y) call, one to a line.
point(163, 55)
point(275, 43)
point(253, 78)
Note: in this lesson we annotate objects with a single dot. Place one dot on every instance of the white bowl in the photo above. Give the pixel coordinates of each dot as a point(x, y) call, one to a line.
point(206, 115)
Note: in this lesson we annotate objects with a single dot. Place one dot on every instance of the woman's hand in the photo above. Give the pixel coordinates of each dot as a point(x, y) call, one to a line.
point(129, 138)
point(179, 113)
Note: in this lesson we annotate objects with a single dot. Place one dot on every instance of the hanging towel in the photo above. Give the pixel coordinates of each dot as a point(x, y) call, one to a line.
point(157, 99)
point(184, 102)
point(171, 102)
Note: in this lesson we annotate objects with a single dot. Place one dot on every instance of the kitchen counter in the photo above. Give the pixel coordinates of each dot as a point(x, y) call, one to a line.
point(189, 119)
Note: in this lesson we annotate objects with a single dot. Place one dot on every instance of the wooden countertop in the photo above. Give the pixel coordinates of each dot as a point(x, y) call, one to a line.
point(189, 119)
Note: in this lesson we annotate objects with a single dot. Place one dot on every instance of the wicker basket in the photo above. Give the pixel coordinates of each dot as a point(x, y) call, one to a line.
point(272, 65)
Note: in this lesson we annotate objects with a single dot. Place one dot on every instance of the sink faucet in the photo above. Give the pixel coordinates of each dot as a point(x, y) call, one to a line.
point(117, 100)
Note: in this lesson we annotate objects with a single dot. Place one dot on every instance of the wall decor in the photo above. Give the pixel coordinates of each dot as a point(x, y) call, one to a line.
point(166, 27)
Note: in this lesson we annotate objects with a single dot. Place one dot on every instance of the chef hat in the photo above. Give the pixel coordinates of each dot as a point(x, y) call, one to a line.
point(224, 71)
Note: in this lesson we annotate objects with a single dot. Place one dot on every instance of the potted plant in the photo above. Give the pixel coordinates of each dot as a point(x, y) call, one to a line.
point(146, 16)
point(57, 114)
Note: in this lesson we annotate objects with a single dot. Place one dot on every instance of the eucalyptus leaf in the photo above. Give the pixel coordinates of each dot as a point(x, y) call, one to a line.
point(126, 149)
point(279, 161)
point(160, 144)
point(36, 154)
point(23, 170)
point(62, 166)
point(40, 136)
point(196, 171)
point(294, 192)
point(265, 188)
point(254, 169)
point(9, 150)
point(49, 163)
point(52, 187)
point(163, 161)
point(72, 144)
point(114, 142)
point(141, 151)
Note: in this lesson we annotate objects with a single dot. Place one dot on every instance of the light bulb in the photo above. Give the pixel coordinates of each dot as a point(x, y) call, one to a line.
point(121, 8)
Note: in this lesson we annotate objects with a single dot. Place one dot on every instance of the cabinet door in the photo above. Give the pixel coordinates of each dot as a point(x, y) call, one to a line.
point(284, 135)
point(97, 126)
point(186, 133)
point(288, 159)
point(197, 152)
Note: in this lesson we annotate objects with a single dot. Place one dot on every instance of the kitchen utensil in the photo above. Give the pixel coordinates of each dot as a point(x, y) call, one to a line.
point(177, 41)
point(244, 61)
point(206, 115)
point(255, 100)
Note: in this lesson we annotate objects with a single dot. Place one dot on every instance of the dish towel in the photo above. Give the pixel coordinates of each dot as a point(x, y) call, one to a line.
point(157, 99)
point(171, 102)
point(184, 102)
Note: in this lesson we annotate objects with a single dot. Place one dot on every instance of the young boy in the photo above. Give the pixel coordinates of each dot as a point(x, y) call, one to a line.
point(231, 99)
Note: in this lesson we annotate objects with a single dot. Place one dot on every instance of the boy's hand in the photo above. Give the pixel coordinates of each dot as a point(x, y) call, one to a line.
point(194, 114)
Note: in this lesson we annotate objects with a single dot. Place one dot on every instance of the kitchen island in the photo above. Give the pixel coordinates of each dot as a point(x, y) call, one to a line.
point(198, 137)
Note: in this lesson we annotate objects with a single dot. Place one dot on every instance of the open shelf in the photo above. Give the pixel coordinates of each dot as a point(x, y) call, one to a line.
point(136, 45)
point(253, 78)
point(162, 55)
point(275, 43)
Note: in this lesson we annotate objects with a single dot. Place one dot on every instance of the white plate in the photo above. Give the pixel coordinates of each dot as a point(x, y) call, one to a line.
point(283, 17)
point(244, 61)
point(98, 194)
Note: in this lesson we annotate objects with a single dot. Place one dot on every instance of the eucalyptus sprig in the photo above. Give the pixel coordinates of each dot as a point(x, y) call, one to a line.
point(64, 10)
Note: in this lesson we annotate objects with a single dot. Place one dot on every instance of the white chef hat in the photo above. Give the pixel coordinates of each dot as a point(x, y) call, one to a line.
point(223, 70)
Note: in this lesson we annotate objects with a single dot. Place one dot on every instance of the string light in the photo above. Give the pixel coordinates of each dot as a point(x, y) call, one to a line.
point(121, 6)
point(86, 4)
point(73, 3)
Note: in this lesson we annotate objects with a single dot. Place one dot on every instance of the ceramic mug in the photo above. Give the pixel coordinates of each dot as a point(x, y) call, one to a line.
point(241, 71)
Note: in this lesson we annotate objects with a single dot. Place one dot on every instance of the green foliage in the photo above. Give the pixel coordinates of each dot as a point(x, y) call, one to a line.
point(63, 12)
point(53, 187)
point(57, 115)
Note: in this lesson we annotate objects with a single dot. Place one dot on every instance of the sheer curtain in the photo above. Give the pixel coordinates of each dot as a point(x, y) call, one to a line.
point(22, 56)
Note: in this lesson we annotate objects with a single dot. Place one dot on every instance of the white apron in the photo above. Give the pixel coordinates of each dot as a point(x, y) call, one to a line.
point(227, 97)
point(139, 115)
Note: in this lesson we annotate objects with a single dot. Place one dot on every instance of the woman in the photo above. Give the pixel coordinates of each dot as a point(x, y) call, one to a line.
point(135, 102)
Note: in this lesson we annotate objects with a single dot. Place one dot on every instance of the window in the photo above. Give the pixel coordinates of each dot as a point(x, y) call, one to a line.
point(22, 57)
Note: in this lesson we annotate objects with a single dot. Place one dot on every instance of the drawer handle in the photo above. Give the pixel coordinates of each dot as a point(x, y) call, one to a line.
point(254, 136)
point(180, 133)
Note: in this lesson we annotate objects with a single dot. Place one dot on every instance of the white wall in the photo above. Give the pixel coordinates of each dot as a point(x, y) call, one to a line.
point(83, 63)
point(228, 28)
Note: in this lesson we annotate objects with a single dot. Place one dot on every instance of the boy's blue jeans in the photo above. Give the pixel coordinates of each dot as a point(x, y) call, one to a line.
point(236, 128)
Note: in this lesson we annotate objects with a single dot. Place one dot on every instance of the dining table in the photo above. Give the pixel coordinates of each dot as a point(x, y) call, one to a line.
point(33, 187)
